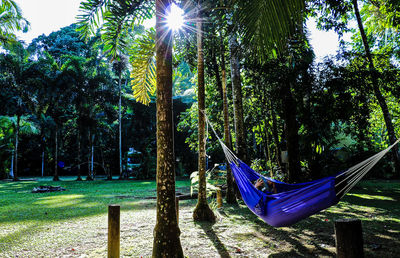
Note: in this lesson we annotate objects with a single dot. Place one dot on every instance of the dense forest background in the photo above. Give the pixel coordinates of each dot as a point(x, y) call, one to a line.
point(302, 119)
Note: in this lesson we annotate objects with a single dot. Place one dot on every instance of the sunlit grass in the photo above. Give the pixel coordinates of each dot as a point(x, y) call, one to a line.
point(372, 197)
point(74, 222)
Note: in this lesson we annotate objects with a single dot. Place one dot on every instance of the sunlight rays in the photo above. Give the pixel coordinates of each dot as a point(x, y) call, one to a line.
point(179, 20)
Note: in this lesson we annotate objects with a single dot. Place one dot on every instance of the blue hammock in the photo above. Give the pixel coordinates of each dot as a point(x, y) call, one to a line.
point(290, 203)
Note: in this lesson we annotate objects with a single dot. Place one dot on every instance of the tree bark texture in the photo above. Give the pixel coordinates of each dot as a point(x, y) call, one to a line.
point(241, 147)
point(377, 92)
point(291, 133)
point(230, 192)
point(166, 232)
point(202, 212)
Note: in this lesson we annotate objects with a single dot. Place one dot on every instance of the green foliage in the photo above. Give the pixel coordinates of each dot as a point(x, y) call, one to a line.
point(142, 59)
point(115, 18)
point(11, 20)
point(266, 25)
point(194, 183)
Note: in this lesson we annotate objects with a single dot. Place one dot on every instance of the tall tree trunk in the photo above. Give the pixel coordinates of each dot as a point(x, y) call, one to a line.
point(56, 178)
point(291, 133)
point(89, 176)
point(43, 160)
point(16, 148)
point(79, 156)
point(202, 212)
point(230, 192)
point(120, 127)
point(275, 136)
point(12, 165)
point(92, 159)
point(378, 94)
point(237, 99)
point(267, 150)
point(166, 232)
point(216, 69)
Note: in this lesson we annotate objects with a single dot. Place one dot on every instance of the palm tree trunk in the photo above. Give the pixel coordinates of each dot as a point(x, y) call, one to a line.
point(120, 127)
point(16, 149)
point(56, 178)
point(237, 100)
point(202, 212)
point(378, 94)
point(230, 192)
point(166, 232)
point(216, 69)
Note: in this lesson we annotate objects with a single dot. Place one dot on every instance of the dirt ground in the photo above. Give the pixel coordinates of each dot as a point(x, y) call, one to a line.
point(237, 232)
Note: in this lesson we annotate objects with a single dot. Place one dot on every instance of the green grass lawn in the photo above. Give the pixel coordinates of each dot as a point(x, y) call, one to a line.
point(74, 222)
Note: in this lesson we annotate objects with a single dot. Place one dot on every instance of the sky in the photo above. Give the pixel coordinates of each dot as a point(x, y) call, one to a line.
point(46, 16)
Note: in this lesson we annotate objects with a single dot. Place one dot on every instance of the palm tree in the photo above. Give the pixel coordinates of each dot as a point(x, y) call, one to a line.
point(166, 232)
point(11, 20)
point(237, 99)
point(202, 212)
point(230, 194)
point(119, 67)
point(120, 16)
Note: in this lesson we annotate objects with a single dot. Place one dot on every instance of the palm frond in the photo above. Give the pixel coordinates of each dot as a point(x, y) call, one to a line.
point(11, 20)
point(91, 17)
point(266, 25)
point(114, 18)
point(142, 59)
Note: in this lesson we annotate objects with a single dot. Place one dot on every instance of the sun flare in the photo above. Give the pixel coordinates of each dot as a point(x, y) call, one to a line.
point(175, 18)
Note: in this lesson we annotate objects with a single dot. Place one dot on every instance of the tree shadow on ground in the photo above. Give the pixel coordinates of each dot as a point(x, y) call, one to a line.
point(270, 235)
point(312, 235)
point(209, 231)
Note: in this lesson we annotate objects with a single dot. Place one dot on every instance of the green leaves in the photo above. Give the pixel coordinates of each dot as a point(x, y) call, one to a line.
point(11, 20)
point(142, 59)
point(266, 25)
point(114, 19)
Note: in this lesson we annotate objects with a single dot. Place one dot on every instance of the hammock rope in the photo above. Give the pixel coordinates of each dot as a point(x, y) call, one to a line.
point(294, 202)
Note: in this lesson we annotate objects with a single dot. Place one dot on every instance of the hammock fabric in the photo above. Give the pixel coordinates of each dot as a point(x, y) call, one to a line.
point(290, 203)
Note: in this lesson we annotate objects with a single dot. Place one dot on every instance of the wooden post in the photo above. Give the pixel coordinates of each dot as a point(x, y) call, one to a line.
point(113, 231)
point(219, 198)
point(349, 239)
point(177, 209)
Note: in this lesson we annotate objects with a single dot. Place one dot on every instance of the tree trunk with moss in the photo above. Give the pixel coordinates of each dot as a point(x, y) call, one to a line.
point(202, 212)
point(166, 232)
point(230, 192)
point(241, 147)
point(377, 92)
